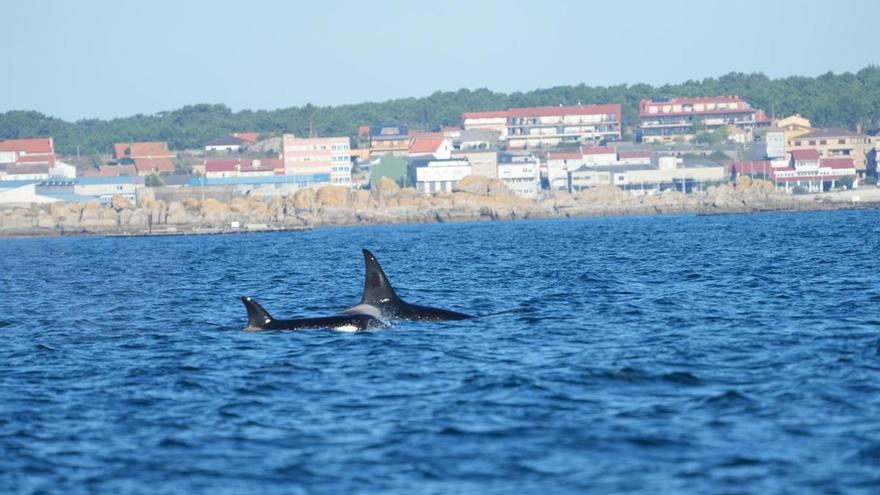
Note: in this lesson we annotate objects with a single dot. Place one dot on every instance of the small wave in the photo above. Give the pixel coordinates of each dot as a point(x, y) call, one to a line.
point(681, 378)
point(728, 400)
point(4, 323)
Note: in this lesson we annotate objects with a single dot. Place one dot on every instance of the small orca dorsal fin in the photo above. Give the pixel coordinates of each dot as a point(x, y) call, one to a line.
point(377, 289)
point(257, 316)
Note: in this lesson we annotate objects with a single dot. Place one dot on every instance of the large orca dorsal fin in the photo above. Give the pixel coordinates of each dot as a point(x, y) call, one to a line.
point(257, 316)
point(377, 289)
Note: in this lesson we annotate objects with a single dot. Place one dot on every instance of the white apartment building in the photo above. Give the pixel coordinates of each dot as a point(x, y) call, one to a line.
point(521, 174)
point(542, 127)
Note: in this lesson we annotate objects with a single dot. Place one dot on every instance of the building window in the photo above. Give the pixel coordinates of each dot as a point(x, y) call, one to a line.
point(841, 141)
point(812, 143)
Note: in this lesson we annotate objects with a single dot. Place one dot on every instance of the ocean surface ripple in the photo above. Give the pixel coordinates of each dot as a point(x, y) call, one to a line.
point(725, 354)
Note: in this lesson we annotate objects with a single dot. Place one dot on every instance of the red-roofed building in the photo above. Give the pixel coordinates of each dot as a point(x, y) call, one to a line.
point(250, 137)
point(559, 165)
point(634, 157)
point(599, 155)
point(836, 143)
point(111, 171)
point(147, 157)
point(666, 121)
point(435, 144)
point(805, 170)
point(146, 166)
point(536, 127)
point(31, 150)
point(805, 155)
point(148, 149)
point(27, 171)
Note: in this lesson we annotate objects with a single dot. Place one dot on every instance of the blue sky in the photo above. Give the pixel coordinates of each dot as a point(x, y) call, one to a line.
point(89, 58)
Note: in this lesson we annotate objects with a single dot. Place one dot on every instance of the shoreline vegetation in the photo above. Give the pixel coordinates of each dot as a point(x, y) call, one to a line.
point(828, 100)
point(474, 199)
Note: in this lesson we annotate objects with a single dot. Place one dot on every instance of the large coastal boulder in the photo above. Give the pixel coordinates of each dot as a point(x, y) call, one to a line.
point(362, 199)
point(214, 212)
point(333, 196)
point(120, 203)
point(473, 184)
point(304, 199)
point(497, 188)
point(385, 188)
point(601, 195)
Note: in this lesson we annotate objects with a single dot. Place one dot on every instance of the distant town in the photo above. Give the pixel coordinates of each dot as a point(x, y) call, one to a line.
point(682, 144)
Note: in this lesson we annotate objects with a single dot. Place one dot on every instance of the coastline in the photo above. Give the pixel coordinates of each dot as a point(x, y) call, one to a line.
point(389, 205)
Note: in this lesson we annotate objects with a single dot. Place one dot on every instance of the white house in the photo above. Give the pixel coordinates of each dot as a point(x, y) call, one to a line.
point(558, 167)
point(226, 144)
point(441, 175)
point(521, 174)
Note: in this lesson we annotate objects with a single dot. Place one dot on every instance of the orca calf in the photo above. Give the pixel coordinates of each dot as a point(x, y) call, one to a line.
point(260, 319)
point(379, 305)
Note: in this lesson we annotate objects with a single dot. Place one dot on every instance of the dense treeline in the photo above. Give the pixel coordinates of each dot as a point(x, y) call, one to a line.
point(841, 100)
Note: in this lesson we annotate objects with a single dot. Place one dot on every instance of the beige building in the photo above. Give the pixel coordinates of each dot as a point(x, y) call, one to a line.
point(835, 143)
point(483, 163)
point(793, 126)
point(667, 174)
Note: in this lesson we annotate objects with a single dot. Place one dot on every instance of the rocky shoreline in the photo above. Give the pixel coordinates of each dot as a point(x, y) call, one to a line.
point(475, 198)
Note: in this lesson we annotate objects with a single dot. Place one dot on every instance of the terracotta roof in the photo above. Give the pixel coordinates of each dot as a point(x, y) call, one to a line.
point(754, 167)
point(30, 145)
point(364, 130)
point(838, 163)
point(425, 143)
point(111, 171)
point(251, 137)
point(634, 154)
point(564, 156)
point(742, 105)
point(161, 165)
point(274, 163)
point(598, 150)
point(155, 149)
point(807, 154)
point(37, 158)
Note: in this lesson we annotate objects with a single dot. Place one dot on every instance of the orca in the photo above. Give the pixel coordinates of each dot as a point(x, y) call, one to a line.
point(260, 319)
point(379, 294)
point(379, 305)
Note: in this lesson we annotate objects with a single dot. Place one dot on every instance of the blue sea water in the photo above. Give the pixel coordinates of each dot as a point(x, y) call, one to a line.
point(670, 354)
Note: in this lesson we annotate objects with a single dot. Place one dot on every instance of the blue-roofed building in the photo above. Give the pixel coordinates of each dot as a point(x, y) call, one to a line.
point(265, 185)
point(389, 139)
point(81, 190)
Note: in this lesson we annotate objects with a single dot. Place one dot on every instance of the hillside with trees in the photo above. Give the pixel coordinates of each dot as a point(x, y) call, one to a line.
point(840, 100)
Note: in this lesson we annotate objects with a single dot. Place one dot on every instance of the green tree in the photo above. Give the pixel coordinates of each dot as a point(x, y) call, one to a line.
point(830, 100)
point(153, 180)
